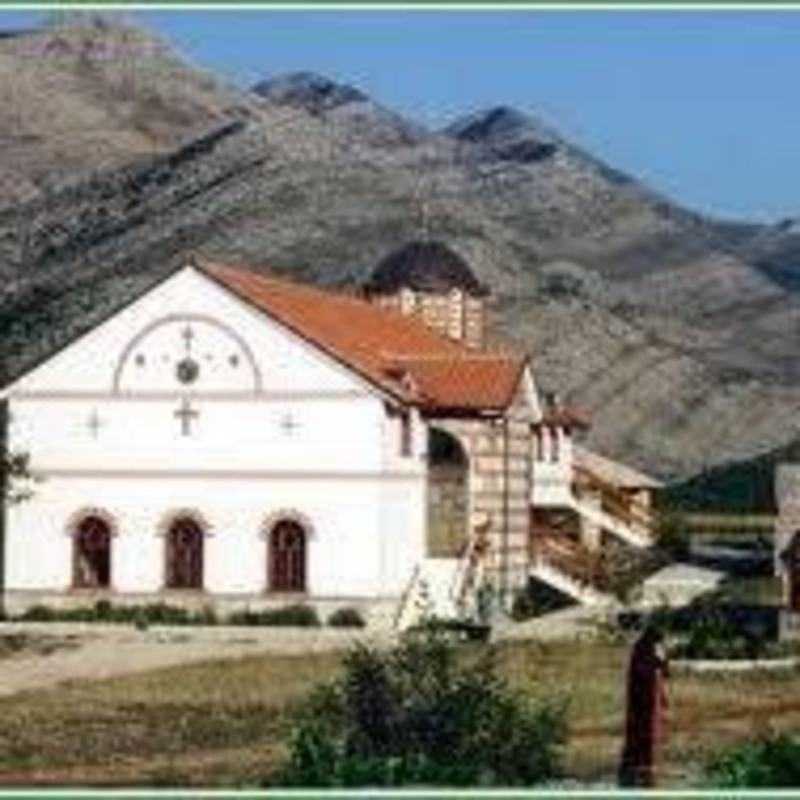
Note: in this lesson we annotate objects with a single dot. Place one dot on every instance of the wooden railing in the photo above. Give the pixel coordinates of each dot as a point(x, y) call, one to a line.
point(469, 571)
point(568, 556)
point(614, 500)
point(406, 597)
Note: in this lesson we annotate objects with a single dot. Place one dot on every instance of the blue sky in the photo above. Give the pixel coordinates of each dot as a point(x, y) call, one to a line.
point(703, 106)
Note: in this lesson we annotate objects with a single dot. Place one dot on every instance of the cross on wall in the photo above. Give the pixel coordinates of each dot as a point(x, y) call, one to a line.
point(187, 334)
point(95, 423)
point(289, 424)
point(186, 414)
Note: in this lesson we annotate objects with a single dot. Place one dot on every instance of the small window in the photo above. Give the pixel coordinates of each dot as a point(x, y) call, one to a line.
point(405, 434)
point(92, 554)
point(538, 445)
point(287, 557)
point(555, 444)
point(184, 555)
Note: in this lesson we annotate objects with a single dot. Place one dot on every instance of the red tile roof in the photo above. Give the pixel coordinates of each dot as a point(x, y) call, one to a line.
point(399, 354)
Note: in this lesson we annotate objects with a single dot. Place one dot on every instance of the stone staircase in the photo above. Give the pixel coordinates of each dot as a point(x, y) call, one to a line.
point(444, 588)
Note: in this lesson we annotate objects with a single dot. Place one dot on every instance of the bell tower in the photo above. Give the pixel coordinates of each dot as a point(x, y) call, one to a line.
point(429, 281)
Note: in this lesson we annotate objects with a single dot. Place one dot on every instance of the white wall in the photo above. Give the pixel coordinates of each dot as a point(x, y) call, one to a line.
point(221, 324)
point(338, 465)
point(353, 532)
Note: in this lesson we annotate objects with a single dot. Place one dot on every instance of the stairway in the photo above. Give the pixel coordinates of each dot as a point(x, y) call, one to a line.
point(632, 534)
point(563, 563)
point(614, 513)
point(444, 588)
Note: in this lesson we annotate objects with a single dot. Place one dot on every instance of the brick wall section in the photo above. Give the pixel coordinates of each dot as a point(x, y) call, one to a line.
point(454, 314)
point(498, 494)
point(448, 509)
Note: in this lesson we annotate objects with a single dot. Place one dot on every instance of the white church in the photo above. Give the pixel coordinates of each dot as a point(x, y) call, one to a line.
point(230, 439)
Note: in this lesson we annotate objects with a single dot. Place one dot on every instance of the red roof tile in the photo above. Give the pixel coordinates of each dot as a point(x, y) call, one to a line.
point(399, 354)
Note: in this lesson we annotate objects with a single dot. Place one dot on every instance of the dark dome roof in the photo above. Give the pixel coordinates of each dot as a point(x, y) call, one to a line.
point(424, 266)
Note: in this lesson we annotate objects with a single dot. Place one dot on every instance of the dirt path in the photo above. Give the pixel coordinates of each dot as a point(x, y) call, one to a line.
point(94, 652)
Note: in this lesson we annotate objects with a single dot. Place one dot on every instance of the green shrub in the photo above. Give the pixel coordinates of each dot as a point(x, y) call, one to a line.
point(38, 613)
point(105, 611)
point(712, 636)
point(773, 762)
point(161, 614)
point(672, 534)
point(164, 614)
point(346, 618)
point(294, 615)
point(416, 715)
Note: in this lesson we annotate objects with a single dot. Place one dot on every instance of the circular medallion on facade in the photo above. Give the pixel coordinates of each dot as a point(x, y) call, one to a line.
point(187, 370)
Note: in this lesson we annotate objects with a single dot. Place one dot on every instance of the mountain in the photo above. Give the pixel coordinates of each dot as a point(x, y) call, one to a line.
point(506, 134)
point(343, 106)
point(308, 90)
point(677, 331)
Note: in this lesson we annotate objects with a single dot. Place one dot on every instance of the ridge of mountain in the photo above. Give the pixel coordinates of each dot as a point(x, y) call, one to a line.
point(308, 90)
point(341, 104)
point(678, 332)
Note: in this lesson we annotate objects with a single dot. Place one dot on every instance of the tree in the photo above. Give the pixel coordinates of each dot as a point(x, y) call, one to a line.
point(15, 478)
point(424, 714)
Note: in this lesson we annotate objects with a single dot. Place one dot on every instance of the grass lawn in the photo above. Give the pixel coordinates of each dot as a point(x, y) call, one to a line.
point(226, 723)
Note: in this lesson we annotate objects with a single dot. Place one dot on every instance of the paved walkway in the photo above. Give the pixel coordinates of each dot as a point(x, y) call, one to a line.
point(574, 622)
point(68, 651)
point(96, 651)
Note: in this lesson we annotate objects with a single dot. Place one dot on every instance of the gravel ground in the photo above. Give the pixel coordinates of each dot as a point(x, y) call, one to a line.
point(78, 651)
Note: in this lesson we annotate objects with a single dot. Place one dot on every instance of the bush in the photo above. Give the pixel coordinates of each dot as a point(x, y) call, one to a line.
point(712, 636)
point(163, 614)
point(346, 618)
point(38, 613)
point(295, 615)
point(773, 762)
point(416, 716)
point(707, 630)
point(672, 534)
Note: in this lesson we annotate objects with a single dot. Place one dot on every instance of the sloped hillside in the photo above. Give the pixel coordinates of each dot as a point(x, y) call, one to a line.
point(678, 332)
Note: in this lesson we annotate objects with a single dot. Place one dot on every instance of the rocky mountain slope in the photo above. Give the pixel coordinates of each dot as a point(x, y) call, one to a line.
point(678, 332)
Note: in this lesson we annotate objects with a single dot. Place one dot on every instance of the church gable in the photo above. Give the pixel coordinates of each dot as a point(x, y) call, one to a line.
point(188, 334)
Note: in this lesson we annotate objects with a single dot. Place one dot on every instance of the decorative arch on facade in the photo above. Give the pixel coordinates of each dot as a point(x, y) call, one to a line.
point(74, 519)
point(197, 516)
point(291, 514)
point(184, 532)
point(287, 534)
point(127, 352)
point(448, 494)
point(91, 530)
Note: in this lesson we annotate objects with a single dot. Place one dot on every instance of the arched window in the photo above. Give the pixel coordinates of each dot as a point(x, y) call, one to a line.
point(92, 553)
point(287, 557)
point(448, 495)
point(184, 554)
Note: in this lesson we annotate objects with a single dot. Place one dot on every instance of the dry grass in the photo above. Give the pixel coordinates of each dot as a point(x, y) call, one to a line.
point(220, 722)
point(226, 724)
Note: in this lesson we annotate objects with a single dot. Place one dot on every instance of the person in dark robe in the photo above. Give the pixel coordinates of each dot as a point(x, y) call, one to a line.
point(646, 697)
